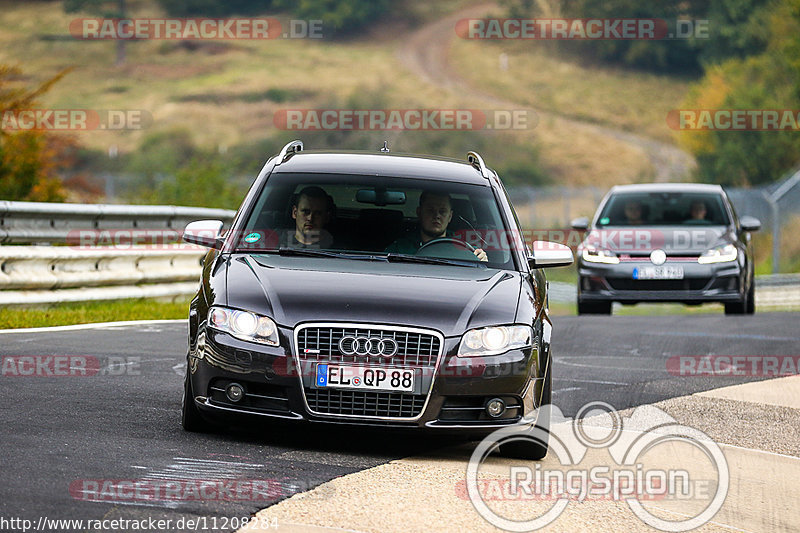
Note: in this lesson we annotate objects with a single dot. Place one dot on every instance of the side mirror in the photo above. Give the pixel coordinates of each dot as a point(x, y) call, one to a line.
point(749, 223)
point(581, 223)
point(205, 233)
point(549, 254)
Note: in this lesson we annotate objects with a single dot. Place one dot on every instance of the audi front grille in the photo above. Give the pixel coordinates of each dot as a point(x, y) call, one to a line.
point(321, 343)
point(369, 345)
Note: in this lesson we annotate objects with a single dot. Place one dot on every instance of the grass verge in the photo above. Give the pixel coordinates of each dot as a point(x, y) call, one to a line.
point(544, 78)
point(91, 312)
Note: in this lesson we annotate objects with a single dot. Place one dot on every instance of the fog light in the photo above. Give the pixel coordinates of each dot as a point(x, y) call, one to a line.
point(496, 407)
point(234, 392)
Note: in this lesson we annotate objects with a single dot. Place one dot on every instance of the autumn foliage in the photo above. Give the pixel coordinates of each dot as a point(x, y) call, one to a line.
point(29, 160)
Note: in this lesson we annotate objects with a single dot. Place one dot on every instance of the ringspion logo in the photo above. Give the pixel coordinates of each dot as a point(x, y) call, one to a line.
point(637, 460)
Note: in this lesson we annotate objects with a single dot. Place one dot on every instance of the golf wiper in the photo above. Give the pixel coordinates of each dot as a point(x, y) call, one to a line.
point(402, 258)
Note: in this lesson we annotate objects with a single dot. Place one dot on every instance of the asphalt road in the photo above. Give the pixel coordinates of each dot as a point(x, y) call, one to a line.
point(61, 434)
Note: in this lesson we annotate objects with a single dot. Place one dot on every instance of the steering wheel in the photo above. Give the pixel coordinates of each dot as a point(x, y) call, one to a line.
point(461, 253)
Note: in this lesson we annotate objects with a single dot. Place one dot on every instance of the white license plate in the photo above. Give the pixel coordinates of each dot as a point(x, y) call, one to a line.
point(365, 378)
point(658, 272)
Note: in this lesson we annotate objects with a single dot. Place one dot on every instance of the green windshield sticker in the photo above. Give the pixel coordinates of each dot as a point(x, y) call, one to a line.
point(252, 237)
point(605, 220)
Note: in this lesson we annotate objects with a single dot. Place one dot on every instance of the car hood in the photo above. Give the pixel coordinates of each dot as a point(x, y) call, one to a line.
point(686, 240)
point(450, 299)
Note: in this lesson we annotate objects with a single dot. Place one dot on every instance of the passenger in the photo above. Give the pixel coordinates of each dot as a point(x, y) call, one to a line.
point(434, 213)
point(698, 210)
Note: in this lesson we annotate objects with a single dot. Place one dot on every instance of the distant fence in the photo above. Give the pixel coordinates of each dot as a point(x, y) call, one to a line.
point(63, 259)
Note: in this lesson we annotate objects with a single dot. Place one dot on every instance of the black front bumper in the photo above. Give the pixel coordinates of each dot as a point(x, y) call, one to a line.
point(277, 388)
point(722, 282)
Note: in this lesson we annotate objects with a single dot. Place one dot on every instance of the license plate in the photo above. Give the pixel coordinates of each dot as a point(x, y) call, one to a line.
point(365, 378)
point(658, 272)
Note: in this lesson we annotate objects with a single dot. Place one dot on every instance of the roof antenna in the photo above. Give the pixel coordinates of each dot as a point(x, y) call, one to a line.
point(385, 147)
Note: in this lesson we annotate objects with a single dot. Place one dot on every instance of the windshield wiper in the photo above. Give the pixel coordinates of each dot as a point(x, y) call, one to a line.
point(306, 252)
point(402, 258)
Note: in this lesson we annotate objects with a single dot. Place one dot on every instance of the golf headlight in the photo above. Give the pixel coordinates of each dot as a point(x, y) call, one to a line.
point(719, 254)
point(494, 340)
point(597, 255)
point(244, 325)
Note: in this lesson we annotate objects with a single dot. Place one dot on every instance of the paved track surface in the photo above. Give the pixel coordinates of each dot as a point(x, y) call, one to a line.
point(59, 430)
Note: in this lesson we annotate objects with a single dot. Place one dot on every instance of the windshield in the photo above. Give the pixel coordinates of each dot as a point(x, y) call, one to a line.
point(377, 218)
point(664, 209)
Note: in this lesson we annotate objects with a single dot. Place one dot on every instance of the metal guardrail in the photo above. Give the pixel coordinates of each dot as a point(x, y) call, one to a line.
point(57, 267)
point(778, 280)
point(51, 274)
point(82, 271)
point(41, 222)
point(776, 291)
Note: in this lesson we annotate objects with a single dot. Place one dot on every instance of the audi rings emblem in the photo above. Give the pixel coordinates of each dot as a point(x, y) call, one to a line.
point(350, 345)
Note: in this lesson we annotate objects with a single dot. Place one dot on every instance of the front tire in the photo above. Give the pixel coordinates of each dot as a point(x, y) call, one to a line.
point(191, 419)
point(751, 299)
point(744, 306)
point(534, 447)
point(594, 308)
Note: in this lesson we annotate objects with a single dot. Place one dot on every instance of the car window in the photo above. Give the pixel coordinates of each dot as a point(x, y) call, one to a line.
point(664, 209)
point(372, 213)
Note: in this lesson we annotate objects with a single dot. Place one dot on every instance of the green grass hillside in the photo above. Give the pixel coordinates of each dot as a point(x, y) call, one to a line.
point(225, 93)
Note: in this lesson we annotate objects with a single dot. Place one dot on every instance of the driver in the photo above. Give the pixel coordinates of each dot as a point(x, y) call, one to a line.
point(434, 214)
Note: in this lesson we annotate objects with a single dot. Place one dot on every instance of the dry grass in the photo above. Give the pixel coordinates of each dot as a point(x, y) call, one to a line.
point(537, 76)
point(577, 157)
point(161, 78)
point(159, 74)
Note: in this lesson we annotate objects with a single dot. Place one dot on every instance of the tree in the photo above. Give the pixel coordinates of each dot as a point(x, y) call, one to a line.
point(28, 159)
point(768, 80)
point(214, 8)
point(338, 16)
point(105, 9)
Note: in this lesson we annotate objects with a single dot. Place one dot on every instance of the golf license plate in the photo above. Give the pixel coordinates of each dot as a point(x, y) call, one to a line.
point(658, 272)
point(365, 378)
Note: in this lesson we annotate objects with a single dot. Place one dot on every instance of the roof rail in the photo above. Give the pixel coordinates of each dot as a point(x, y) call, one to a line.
point(476, 161)
point(289, 150)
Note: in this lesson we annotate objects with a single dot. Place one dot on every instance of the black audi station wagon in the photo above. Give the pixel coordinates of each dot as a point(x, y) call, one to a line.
point(372, 289)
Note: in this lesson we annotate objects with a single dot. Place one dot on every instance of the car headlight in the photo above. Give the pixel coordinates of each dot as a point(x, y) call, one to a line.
point(494, 340)
point(597, 255)
point(244, 325)
point(719, 254)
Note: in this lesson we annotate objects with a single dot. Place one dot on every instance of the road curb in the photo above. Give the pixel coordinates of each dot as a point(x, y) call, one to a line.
point(418, 493)
point(95, 325)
